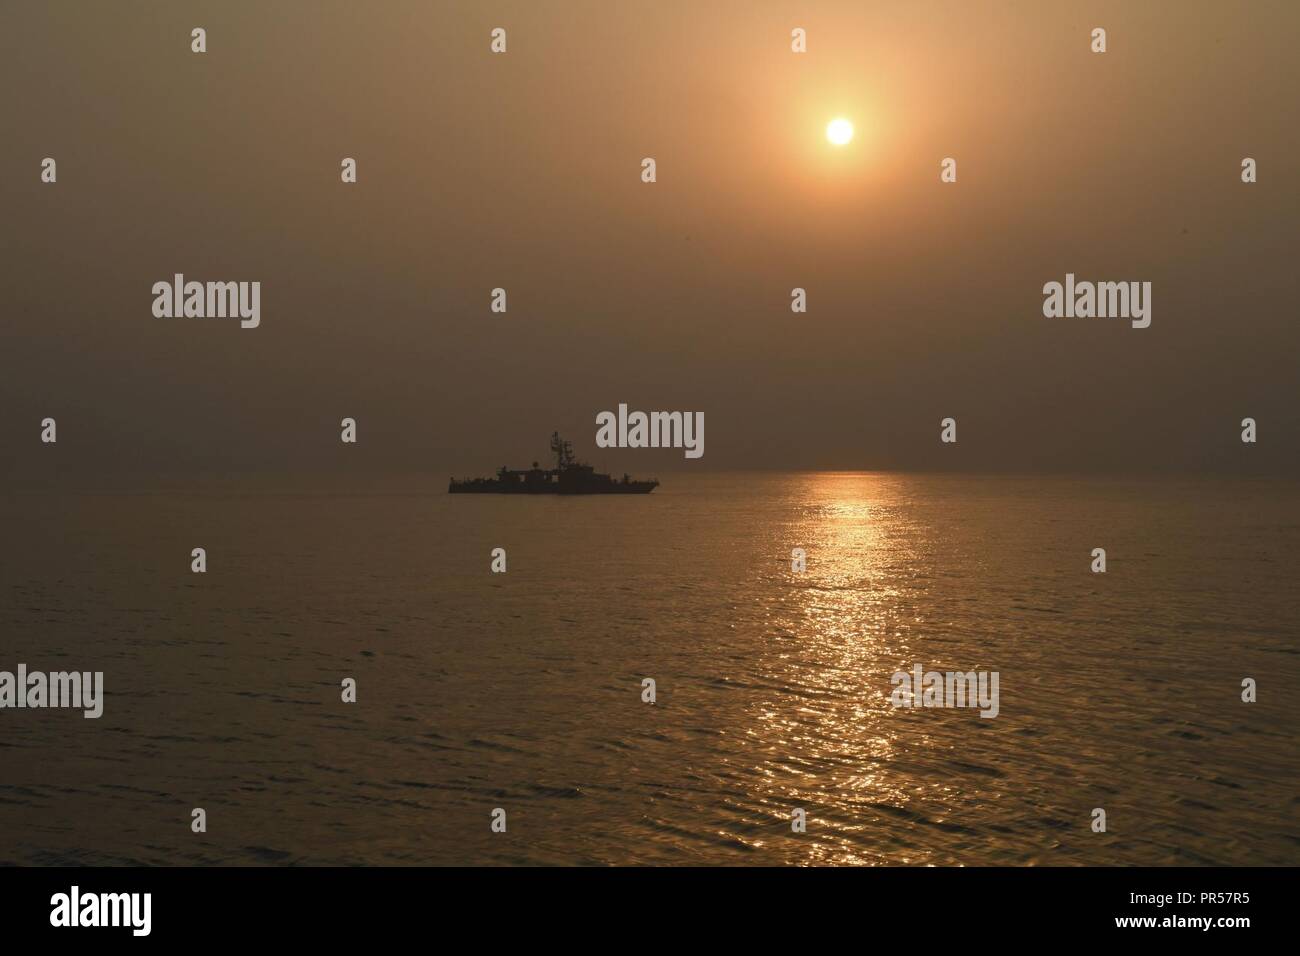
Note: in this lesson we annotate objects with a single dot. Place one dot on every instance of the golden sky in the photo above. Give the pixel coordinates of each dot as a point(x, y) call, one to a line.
point(523, 171)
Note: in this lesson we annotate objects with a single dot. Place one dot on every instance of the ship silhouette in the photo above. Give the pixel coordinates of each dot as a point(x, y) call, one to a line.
point(568, 477)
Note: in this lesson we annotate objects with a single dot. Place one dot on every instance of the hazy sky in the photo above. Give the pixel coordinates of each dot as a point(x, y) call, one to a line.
point(523, 171)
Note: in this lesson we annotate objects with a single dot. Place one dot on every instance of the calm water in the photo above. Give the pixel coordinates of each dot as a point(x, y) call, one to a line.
point(523, 690)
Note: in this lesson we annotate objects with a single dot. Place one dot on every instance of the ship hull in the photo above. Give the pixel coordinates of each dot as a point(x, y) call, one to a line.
point(489, 487)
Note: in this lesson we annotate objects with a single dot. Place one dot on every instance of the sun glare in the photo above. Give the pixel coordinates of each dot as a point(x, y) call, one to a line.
point(839, 131)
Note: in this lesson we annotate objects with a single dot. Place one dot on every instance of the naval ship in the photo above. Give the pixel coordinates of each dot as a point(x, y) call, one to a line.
point(568, 477)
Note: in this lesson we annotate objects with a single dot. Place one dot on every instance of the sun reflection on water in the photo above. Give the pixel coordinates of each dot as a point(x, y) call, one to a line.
point(841, 627)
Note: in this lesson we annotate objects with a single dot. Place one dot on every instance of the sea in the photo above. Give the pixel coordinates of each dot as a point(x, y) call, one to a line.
point(520, 698)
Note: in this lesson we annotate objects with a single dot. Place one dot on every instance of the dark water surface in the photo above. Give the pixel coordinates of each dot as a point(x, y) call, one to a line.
point(523, 690)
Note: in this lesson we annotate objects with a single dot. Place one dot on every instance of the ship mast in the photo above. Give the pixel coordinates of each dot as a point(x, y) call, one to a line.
point(563, 451)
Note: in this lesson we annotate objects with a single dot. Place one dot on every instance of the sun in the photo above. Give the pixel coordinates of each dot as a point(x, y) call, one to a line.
point(839, 131)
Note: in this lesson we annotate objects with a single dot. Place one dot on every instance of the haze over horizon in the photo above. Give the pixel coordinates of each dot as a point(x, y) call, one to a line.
point(521, 171)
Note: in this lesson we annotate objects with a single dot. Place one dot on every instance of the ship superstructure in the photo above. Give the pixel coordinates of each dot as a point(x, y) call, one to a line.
point(568, 477)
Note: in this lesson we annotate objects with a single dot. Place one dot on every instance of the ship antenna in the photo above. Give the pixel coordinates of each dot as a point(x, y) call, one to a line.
point(563, 451)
